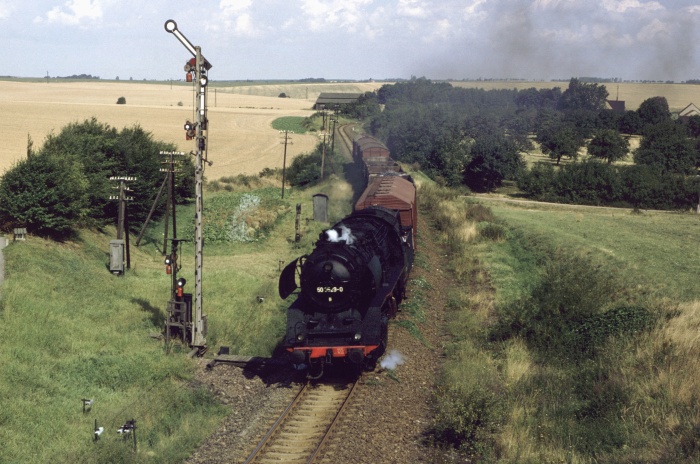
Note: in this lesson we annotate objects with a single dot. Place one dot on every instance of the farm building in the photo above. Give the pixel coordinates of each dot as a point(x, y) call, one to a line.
point(688, 111)
point(328, 100)
point(617, 106)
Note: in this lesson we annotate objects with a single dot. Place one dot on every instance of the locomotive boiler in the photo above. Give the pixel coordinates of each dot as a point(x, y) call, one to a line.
point(353, 281)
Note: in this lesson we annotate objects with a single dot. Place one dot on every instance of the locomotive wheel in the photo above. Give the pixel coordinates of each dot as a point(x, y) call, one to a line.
point(315, 371)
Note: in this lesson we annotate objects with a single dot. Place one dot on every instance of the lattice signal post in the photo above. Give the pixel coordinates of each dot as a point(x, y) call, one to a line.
point(196, 69)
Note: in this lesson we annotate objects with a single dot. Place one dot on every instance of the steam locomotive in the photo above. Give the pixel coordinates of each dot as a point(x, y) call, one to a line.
point(353, 281)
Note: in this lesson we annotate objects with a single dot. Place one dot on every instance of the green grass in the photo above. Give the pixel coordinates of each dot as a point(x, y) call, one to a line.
point(290, 123)
point(658, 248)
point(70, 330)
point(572, 336)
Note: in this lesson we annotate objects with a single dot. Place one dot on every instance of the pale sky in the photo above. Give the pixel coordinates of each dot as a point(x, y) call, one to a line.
point(354, 39)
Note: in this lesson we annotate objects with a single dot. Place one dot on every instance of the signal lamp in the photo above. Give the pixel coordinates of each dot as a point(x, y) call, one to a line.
point(168, 265)
point(203, 81)
point(180, 285)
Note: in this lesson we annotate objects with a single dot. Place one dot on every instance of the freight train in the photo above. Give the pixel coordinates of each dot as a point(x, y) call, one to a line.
point(353, 281)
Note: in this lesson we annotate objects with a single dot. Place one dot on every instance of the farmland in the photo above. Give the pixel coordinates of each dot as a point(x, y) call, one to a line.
point(242, 140)
point(632, 93)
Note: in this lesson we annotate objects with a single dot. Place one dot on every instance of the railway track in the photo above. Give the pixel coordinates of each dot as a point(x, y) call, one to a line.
point(301, 431)
point(346, 136)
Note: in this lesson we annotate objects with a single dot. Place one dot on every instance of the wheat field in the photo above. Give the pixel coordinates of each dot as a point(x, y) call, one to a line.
point(241, 138)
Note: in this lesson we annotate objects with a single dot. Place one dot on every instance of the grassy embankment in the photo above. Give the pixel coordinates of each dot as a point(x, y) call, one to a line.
point(576, 338)
point(70, 330)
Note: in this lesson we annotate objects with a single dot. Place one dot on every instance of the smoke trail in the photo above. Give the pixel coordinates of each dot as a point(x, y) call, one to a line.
point(392, 360)
point(345, 234)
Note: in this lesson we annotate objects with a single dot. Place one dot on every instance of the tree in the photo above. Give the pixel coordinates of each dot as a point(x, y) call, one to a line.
point(630, 123)
point(493, 159)
point(102, 152)
point(668, 147)
point(559, 142)
point(44, 193)
point(609, 145)
point(654, 111)
point(583, 96)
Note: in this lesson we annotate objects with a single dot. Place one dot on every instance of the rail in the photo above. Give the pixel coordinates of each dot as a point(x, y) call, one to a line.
point(303, 428)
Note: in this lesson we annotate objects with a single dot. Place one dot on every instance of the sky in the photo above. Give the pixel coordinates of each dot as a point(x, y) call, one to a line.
point(354, 39)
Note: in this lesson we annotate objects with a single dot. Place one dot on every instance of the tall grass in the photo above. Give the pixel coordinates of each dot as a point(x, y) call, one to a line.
point(70, 330)
point(564, 349)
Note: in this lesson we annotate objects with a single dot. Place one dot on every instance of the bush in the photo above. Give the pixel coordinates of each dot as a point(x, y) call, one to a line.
point(44, 193)
point(121, 101)
point(574, 309)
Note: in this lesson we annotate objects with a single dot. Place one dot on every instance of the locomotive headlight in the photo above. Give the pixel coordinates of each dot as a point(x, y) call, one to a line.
point(300, 337)
point(357, 337)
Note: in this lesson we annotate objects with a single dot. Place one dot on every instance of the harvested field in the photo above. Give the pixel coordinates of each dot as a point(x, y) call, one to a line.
point(242, 140)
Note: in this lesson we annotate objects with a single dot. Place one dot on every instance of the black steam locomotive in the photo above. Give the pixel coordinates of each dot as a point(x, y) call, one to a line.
point(353, 281)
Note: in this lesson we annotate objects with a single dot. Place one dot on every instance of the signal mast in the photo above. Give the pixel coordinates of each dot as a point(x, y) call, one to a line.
point(191, 323)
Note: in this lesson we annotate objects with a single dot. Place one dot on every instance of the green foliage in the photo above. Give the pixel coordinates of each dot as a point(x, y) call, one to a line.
point(571, 311)
point(595, 183)
point(71, 330)
point(306, 169)
point(44, 193)
point(367, 105)
point(654, 111)
point(290, 123)
point(630, 123)
point(609, 145)
point(667, 147)
point(493, 159)
point(239, 216)
point(560, 141)
point(492, 231)
point(121, 101)
point(583, 96)
point(466, 418)
point(103, 152)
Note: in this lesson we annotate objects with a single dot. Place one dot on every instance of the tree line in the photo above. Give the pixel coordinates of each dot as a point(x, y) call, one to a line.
point(64, 185)
point(476, 138)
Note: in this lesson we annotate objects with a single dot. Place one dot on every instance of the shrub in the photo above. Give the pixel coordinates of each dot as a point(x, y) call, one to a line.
point(121, 101)
point(44, 193)
point(491, 231)
point(574, 290)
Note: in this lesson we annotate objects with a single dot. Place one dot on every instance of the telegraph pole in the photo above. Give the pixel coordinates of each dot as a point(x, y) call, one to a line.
point(122, 217)
point(323, 153)
point(198, 66)
point(287, 140)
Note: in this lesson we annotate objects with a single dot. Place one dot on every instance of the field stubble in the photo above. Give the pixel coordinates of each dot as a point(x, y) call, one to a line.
point(242, 140)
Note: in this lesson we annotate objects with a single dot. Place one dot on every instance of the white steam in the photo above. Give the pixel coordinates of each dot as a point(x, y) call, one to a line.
point(392, 360)
point(345, 234)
